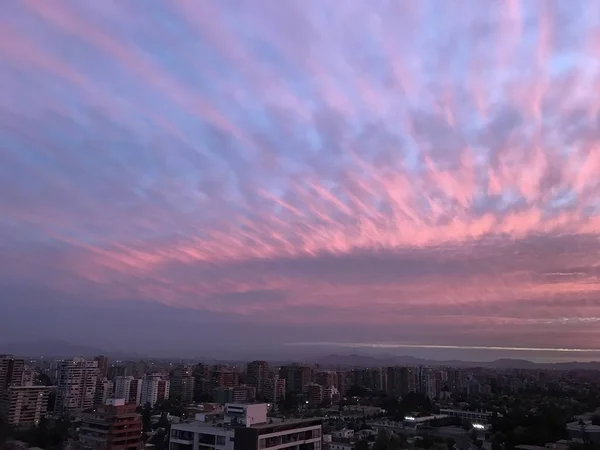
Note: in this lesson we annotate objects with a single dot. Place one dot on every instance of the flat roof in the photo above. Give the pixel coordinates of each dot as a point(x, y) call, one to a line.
point(276, 422)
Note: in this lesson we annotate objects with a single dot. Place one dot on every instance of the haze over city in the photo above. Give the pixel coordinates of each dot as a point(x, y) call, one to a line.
point(302, 177)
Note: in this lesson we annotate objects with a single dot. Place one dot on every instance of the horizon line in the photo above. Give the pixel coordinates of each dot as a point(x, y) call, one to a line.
point(444, 347)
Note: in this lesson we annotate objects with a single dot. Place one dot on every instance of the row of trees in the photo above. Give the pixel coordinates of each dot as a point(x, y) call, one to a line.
point(48, 434)
point(393, 441)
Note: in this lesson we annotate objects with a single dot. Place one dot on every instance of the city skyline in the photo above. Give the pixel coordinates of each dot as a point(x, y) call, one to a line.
point(421, 175)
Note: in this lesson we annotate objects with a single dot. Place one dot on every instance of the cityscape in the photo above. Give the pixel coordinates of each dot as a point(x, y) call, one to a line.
point(299, 224)
point(95, 403)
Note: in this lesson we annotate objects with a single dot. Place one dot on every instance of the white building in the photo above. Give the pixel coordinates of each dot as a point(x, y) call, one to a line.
point(344, 433)
point(76, 384)
point(129, 389)
point(154, 389)
point(244, 427)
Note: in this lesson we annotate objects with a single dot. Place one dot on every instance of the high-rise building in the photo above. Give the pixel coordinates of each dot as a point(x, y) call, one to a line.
point(409, 380)
point(274, 390)
point(314, 394)
point(114, 426)
point(296, 377)
point(136, 369)
point(246, 427)
point(129, 389)
point(327, 379)
point(115, 371)
point(76, 384)
point(102, 365)
point(182, 384)
point(104, 391)
point(28, 377)
point(257, 373)
point(427, 382)
point(341, 382)
point(331, 396)
point(201, 374)
point(225, 377)
point(238, 394)
point(154, 389)
point(24, 406)
point(374, 379)
point(455, 380)
point(11, 371)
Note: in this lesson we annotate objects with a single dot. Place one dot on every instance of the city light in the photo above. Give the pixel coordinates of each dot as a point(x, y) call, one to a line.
point(478, 426)
point(410, 418)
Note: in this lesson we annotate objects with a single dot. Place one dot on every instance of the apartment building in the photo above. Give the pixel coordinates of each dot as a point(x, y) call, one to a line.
point(314, 394)
point(238, 394)
point(154, 389)
point(129, 389)
point(11, 371)
point(114, 426)
point(296, 377)
point(274, 389)
point(246, 427)
point(24, 406)
point(76, 384)
point(257, 373)
point(102, 365)
point(182, 384)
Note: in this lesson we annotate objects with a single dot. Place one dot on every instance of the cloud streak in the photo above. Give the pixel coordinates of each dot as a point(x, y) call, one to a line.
point(386, 165)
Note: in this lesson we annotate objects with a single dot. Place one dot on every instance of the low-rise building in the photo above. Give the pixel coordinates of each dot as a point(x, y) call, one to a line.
point(585, 431)
point(478, 417)
point(344, 433)
point(246, 427)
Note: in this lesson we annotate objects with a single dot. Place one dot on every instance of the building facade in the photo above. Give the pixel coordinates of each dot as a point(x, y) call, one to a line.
point(11, 371)
point(24, 406)
point(274, 390)
point(102, 365)
point(257, 373)
point(154, 389)
point(129, 389)
point(76, 384)
point(182, 384)
point(246, 427)
point(114, 426)
point(296, 377)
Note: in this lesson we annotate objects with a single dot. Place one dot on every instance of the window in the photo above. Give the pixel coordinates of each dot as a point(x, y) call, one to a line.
point(221, 440)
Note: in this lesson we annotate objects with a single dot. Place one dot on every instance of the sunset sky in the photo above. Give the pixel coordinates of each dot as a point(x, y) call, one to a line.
point(301, 174)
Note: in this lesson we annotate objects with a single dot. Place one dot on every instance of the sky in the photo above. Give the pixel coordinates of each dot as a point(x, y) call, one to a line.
point(419, 176)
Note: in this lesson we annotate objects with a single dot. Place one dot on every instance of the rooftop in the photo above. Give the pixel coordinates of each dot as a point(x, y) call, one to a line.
point(221, 424)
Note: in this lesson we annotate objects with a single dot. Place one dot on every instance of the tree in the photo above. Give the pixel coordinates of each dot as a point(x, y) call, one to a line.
point(41, 434)
point(44, 379)
point(289, 404)
point(381, 443)
point(357, 391)
point(394, 443)
point(4, 431)
point(361, 444)
point(596, 420)
point(147, 417)
point(161, 440)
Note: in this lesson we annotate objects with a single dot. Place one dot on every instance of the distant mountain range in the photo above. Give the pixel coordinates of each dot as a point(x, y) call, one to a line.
point(62, 349)
point(354, 360)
